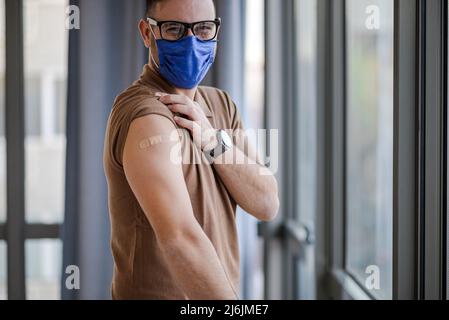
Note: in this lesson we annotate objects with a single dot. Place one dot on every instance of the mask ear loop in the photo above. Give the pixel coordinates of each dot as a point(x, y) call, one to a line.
point(151, 52)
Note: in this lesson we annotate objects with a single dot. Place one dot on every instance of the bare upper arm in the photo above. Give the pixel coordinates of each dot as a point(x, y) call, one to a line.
point(155, 179)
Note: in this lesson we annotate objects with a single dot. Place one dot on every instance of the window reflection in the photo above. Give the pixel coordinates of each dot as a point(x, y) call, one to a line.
point(46, 41)
point(369, 140)
point(45, 55)
point(254, 103)
point(305, 123)
point(43, 269)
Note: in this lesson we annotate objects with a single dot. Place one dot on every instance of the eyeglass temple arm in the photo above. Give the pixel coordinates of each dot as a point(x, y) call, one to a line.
point(152, 21)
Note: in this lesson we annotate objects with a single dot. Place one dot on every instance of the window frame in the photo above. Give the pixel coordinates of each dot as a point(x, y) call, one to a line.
point(445, 191)
point(420, 153)
point(433, 150)
point(283, 238)
point(15, 231)
point(275, 104)
point(405, 176)
point(339, 283)
point(300, 231)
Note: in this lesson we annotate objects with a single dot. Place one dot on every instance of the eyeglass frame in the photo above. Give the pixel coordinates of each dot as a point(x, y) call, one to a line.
point(191, 26)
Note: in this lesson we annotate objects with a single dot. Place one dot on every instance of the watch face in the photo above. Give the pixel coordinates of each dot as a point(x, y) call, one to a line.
point(227, 141)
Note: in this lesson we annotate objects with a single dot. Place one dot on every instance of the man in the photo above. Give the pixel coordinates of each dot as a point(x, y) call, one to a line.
point(173, 222)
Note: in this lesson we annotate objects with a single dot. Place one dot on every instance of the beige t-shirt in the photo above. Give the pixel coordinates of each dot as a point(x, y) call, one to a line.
point(140, 271)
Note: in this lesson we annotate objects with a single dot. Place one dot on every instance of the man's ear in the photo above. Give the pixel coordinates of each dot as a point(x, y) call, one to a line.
point(145, 33)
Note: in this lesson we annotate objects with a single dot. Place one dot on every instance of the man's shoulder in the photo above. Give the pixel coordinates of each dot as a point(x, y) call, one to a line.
point(135, 103)
point(133, 95)
point(136, 100)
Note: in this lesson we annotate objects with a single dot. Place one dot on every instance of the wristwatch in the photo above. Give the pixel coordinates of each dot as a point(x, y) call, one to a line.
point(224, 143)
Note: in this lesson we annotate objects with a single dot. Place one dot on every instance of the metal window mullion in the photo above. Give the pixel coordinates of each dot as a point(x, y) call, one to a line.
point(15, 149)
point(330, 230)
point(329, 214)
point(42, 231)
point(444, 204)
point(444, 197)
point(290, 134)
point(432, 149)
point(2, 232)
point(275, 108)
point(337, 196)
point(444, 145)
point(405, 174)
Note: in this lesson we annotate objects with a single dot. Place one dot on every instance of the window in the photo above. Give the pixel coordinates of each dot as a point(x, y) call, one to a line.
point(45, 72)
point(369, 141)
point(255, 63)
point(45, 58)
point(43, 268)
point(306, 23)
point(305, 120)
point(46, 45)
point(254, 102)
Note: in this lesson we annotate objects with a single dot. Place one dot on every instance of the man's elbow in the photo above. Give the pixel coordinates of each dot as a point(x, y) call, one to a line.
point(269, 203)
point(269, 209)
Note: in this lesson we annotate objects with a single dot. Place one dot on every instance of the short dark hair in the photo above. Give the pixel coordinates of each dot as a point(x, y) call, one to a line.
point(151, 5)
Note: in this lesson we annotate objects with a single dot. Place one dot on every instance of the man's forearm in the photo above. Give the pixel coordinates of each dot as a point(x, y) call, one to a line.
point(195, 265)
point(253, 186)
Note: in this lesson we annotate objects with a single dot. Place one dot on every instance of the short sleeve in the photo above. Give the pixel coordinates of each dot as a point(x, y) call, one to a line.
point(122, 117)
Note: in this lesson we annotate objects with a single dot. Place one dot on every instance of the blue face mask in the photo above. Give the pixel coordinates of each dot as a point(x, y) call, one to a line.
point(185, 63)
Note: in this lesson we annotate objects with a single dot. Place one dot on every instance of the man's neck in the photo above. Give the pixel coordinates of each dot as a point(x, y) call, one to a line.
point(190, 93)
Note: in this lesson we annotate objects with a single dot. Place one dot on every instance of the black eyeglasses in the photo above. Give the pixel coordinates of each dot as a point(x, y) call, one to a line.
point(175, 30)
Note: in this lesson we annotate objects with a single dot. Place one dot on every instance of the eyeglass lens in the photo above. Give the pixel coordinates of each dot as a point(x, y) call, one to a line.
point(174, 31)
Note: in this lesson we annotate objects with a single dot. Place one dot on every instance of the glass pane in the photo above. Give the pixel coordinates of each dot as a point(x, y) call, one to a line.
point(306, 24)
point(255, 63)
point(251, 244)
point(3, 275)
point(43, 269)
point(2, 116)
point(369, 139)
point(306, 103)
point(46, 41)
